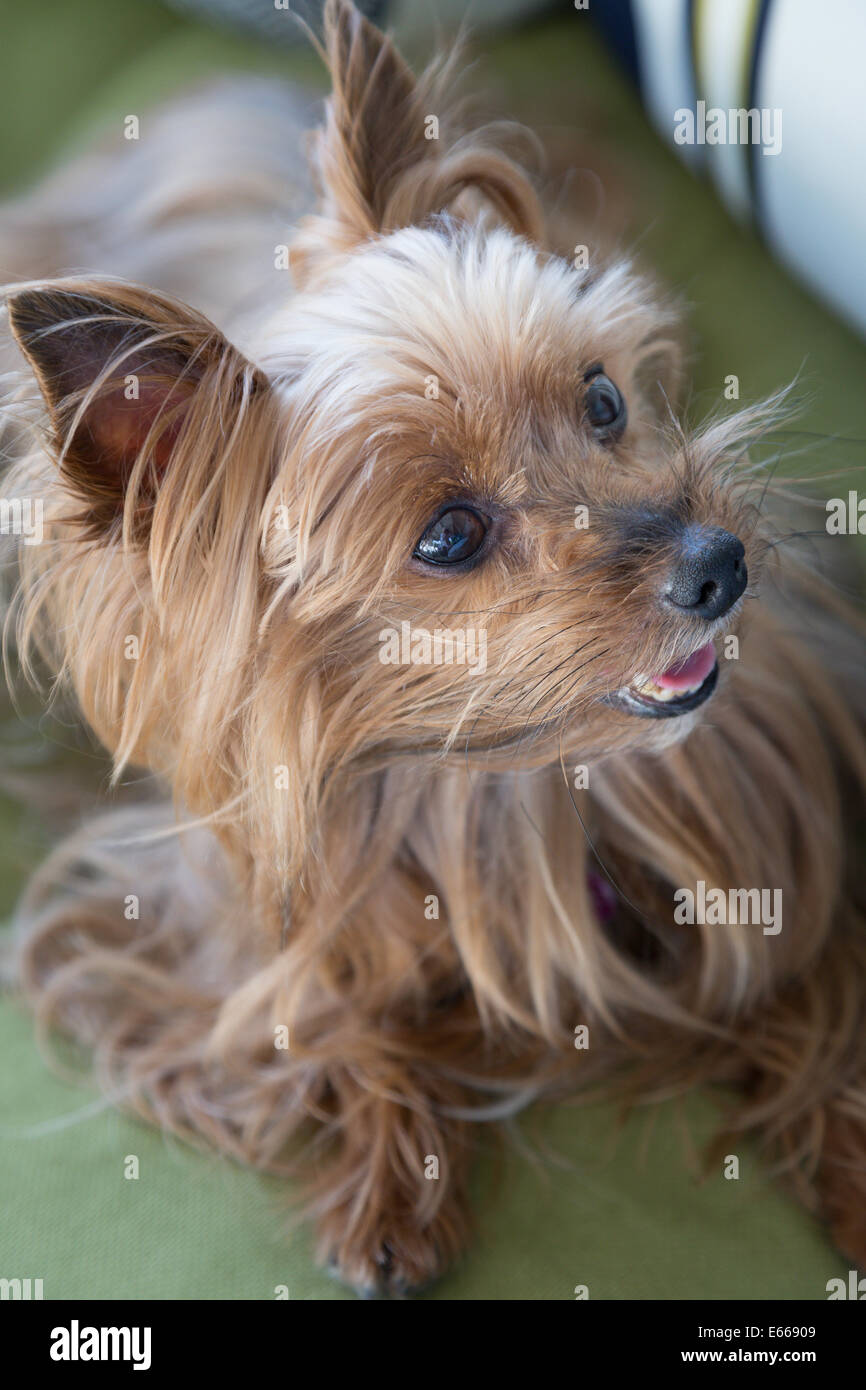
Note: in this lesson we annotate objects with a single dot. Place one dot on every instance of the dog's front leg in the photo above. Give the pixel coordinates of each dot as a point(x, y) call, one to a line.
point(382, 1026)
point(389, 1200)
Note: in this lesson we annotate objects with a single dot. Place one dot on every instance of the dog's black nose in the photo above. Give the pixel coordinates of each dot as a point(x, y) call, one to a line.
point(711, 574)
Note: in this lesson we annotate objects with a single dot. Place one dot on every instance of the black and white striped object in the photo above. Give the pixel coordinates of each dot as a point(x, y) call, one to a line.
point(768, 97)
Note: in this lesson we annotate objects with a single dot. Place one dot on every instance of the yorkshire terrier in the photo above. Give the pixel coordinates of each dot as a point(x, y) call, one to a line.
point(465, 662)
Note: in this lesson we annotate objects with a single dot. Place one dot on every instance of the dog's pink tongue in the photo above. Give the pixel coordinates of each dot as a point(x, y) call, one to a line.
point(692, 671)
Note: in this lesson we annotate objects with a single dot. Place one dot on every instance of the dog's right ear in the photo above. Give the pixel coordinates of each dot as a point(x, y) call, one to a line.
point(139, 389)
point(375, 162)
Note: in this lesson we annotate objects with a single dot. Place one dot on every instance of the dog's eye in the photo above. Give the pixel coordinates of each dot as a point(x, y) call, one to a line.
point(455, 536)
point(605, 407)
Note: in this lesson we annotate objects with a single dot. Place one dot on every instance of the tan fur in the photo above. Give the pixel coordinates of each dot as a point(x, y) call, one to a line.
point(253, 528)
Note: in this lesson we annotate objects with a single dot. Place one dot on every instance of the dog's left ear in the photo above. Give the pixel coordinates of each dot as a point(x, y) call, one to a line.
point(376, 163)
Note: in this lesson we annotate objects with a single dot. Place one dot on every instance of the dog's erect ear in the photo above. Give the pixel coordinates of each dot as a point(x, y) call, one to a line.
point(374, 129)
point(122, 370)
point(375, 162)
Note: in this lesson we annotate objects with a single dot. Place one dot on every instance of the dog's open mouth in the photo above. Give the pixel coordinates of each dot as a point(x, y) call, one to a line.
point(682, 687)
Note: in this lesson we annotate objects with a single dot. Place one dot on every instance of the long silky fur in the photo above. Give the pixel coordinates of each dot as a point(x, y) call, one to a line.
point(303, 905)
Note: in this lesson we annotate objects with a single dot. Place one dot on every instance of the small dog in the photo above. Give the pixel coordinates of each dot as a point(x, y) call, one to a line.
point(467, 667)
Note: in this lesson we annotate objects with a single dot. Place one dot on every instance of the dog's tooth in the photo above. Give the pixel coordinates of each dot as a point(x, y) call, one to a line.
point(660, 693)
point(649, 687)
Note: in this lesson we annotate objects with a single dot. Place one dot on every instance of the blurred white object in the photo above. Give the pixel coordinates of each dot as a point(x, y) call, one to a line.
point(800, 66)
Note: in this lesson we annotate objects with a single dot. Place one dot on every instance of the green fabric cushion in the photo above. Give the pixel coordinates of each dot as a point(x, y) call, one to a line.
point(620, 1209)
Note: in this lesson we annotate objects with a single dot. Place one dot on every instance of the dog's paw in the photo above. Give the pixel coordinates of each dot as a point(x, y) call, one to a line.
point(395, 1262)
